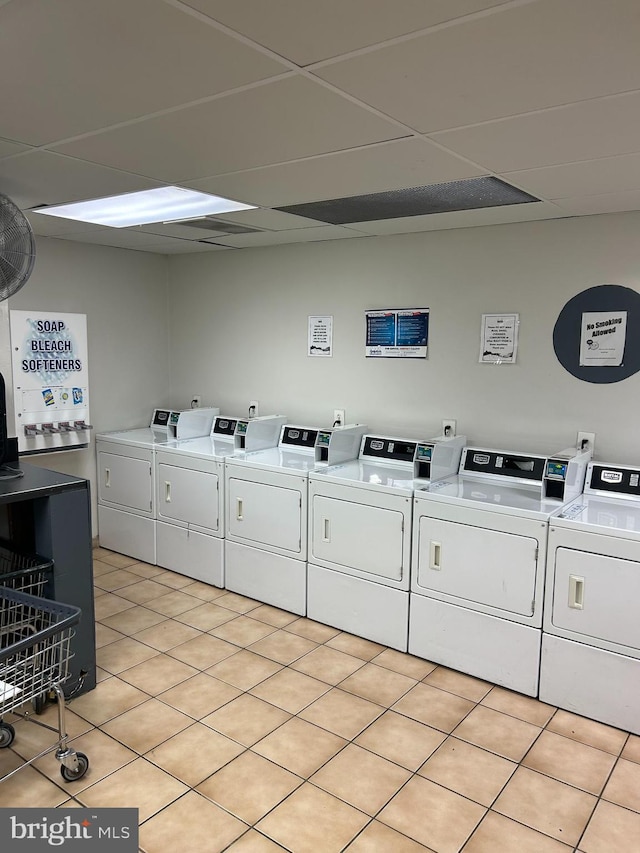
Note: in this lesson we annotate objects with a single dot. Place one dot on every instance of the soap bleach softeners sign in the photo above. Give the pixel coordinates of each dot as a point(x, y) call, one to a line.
point(50, 380)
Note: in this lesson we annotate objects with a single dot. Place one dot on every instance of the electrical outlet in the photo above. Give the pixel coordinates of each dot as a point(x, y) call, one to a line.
point(254, 408)
point(195, 401)
point(338, 417)
point(448, 427)
point(589, 438)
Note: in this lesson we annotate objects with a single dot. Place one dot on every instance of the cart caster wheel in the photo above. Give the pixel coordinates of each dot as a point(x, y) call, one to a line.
point(73, 775)
point(38, 703)
point(7, 735)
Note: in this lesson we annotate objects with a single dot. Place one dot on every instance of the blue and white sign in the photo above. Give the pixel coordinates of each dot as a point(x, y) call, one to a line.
point(397, 333)
point(50, 379)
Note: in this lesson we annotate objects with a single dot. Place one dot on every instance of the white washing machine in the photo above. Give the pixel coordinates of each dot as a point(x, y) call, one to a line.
point(190, 494)
point(360, 534)
point(478, 564)
point(126, 479)
point(266, 545)
point(591, 630)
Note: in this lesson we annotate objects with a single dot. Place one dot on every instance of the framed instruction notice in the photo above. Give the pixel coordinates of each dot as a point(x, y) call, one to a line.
point(397, 333)
point(499, 338)
point(320, 337)
point(602, 338)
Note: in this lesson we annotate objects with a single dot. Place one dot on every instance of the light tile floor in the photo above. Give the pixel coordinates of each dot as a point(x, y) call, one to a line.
point(232, 725)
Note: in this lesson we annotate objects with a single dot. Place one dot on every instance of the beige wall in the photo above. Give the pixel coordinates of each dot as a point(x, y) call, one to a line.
point(124, 295)
point(238, 331)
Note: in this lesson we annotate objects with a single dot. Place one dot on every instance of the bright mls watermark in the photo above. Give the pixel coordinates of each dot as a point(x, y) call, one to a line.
point(80, 830)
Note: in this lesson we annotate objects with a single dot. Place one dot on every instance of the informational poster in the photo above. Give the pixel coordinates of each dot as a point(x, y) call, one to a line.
point(602, 338)
point(499, 338)
point(50, 379)
point(321, 336)
point(397, 333)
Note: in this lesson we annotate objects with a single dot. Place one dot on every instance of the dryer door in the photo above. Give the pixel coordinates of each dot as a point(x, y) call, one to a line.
point(261, 514)
point(358, 536)
point(597, 596)
point(125, 481)
point(477, 566)
point(188, 496)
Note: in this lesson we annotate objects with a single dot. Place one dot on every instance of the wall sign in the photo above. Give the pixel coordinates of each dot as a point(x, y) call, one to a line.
point(320, 337)
point(499, 338)
point(397, 333)
point(598, 310)
point(602, 338)
point(50, 380)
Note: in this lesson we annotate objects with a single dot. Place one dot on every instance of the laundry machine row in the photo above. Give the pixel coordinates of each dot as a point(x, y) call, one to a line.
point(190, 488)
point(360, 520)
point(266, 517)
point(126, 478)
point(591, 631)
point(478, 562)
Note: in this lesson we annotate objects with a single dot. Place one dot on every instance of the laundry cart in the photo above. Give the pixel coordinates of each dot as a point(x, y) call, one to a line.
point(35, 637)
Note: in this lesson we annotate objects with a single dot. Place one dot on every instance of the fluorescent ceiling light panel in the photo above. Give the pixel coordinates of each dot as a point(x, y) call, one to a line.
point(163, 204)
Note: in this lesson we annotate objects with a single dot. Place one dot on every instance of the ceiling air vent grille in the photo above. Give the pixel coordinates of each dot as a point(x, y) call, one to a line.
point(472, 194)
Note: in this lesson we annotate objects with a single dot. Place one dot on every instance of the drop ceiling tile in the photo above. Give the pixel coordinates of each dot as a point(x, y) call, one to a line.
point(376, 168)
point(179, 230)
point(316, 31)
point(462, 219)
point(8, 148)
point(184, 247)
point(270, 220)
point(300, 235)
point(54, 226)
point(524, 57)
point(109, 62)
point(279, 121)
point(588, 177)
point(42, 177)
point(605, 203)
point(123, 238)
point(604, 127)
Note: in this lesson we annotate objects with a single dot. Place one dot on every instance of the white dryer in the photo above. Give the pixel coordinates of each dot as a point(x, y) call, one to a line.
point(126, 479)
point(360, 534)
point(478, 563)
point(591, 631)
point(266, 545)
point(190, 494)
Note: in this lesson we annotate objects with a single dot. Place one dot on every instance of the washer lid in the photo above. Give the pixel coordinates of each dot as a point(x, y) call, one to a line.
point(391, 478)
point(206, 447)
point(143, 437)
point(617, 516)
point(491, 495)
point(280, 460)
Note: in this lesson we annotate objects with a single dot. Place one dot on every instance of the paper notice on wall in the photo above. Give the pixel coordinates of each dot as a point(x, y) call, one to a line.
point(397, 333)
point(499, 338)
point(320, 339)
point(602, 338)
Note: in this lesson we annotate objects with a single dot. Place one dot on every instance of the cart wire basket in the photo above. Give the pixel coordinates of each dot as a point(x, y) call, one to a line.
point(35, 637)
point(26, 572)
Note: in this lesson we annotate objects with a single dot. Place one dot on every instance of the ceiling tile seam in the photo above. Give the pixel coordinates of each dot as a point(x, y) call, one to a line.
point(307, 71)
point(296, 160)
point(430, 134)
point(585, 161)
point(416, 34)
point(256, 84)
point(632, 191)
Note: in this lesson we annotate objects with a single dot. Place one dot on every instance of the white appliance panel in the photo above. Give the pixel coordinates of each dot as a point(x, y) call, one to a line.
point(272, 578)
point(355, 535)
point(593, 682)
point(125, 481)
point(188, 496)
point(367, 609)
point(477, 565)
point(268, 515)
point(479, 644)
point(190, 553)
point(596, 597)
point(127, 533)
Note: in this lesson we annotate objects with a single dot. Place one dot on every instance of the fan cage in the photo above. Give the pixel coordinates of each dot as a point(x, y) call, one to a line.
point(17, 248)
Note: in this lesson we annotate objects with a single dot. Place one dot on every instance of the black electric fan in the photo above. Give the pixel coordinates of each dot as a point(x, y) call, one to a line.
point(17, 257)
